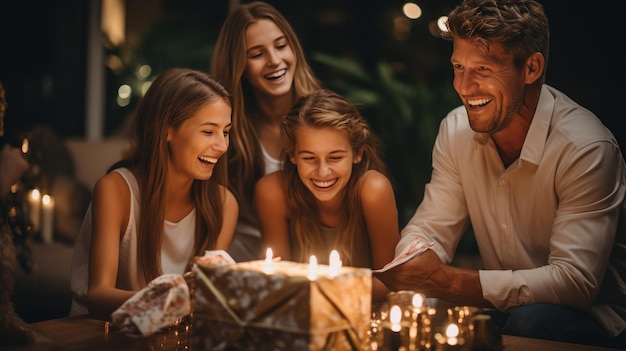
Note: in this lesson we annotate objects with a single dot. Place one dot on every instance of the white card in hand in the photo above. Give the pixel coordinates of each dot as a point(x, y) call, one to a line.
point(416, 248)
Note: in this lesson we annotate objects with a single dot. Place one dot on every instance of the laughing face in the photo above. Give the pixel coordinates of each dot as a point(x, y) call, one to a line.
point(324, 158)
point(197, 144)
point(270, 61)
point(489, 84)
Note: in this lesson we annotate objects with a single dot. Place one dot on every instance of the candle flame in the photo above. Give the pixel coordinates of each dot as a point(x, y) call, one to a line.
point(452, 331)
point(335, 263)
point(395, 314)
point(269, 255)
point(418, 300)
point(35, 194)
point(46, 200)
point(312, 267)
point(25, 146)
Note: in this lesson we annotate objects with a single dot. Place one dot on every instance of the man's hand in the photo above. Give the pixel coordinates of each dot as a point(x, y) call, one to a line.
point(415, 274)
point(427, 274)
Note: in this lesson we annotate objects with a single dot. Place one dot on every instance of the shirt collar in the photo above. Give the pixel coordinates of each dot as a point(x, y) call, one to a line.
point(535, 142)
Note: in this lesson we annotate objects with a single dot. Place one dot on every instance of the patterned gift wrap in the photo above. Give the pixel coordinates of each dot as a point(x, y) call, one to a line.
point(253, 306)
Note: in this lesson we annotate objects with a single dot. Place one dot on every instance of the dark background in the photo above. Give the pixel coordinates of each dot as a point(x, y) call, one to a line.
point(43, 54)
point(43, 51)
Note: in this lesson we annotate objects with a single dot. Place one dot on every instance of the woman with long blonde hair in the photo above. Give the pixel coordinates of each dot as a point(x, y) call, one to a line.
point(259, 59)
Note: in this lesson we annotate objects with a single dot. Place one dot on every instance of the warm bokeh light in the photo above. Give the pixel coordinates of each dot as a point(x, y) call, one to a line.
point(438, 28)
point(124, 91)
point(395, 315)
point(123, 95)
point(418, 300)
point(452, 331)
point(35, 194)
point(441, 23)
point(114, 62)
point(144, 71)
point(25, 146)
point(113, 21)
point(412, 10)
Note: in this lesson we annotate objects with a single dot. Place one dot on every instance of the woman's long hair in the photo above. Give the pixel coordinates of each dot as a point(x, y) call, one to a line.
point(246, 163)
point(173, 97)
point(326, 109)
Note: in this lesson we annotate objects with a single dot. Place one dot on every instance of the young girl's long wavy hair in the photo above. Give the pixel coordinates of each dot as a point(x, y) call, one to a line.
point(327, 109)
point(174, 96)
point(229, 59)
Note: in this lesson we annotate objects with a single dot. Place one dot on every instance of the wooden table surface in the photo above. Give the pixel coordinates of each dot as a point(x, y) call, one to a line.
point(83, 333)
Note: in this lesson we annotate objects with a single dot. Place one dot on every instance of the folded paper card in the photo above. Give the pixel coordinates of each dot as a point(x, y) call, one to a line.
point(416, 248)
point(279, 305)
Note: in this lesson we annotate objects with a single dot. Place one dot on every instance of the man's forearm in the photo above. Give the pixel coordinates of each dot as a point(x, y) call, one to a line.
point(460, 286)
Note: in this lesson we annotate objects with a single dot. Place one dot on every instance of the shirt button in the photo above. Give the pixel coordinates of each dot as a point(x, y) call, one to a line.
point(503, 226)
point(502, 182)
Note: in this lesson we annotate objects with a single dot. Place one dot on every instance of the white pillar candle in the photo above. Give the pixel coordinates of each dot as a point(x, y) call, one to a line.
point(34, 208)
point(47, 228)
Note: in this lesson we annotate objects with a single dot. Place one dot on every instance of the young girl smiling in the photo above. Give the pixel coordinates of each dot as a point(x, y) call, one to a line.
point(332, 192)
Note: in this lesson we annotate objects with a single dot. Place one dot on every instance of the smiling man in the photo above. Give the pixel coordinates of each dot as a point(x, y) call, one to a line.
point(538, 177)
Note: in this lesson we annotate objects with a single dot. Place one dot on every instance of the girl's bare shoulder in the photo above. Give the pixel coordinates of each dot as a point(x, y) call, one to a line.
point(273, 181)
point(112, 181)
point(374, 181)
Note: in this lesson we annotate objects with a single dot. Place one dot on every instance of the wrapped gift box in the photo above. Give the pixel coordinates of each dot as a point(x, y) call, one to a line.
point(277, 306)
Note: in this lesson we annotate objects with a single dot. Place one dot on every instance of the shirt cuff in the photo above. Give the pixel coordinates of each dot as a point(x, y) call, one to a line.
point(504, 289)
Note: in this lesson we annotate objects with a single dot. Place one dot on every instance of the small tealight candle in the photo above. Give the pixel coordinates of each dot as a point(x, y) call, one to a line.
point(334, 263)
point(392, 334)
point(312, 268)
point(451, 341)
point(452, 333)
point(395, 315)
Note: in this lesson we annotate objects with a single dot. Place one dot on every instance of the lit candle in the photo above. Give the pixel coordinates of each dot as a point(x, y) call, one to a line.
point(47, 228)
point(452, 333)
point(451, 341)
point(34, 206)
point(267, 265)
point(268, 255)
point(392, 335)
point(312, 268)
point(418, 302)
point(334, 263)
point(416, 325)
point(395, 315)
point(25, 146)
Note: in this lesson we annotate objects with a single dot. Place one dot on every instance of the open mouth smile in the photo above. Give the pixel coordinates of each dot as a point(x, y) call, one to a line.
point(478, 102)
point(276, 75)
point(207, 159)
point(324, 183)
